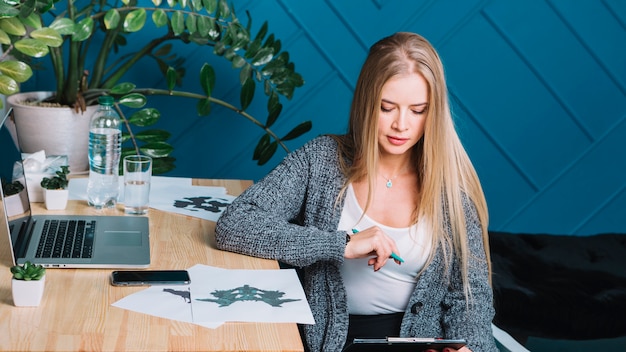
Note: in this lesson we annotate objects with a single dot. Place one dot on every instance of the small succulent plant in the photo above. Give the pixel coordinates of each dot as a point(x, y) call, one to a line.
point(59, 181)
point(28, 271)
point(11, 188)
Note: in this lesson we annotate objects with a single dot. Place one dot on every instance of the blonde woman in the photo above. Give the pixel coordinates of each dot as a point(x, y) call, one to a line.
point(386, 224)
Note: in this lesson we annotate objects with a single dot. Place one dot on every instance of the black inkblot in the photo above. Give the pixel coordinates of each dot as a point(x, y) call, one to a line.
point(207, 203)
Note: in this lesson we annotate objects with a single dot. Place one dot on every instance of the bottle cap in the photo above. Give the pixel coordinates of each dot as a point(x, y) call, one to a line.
point(105, 100)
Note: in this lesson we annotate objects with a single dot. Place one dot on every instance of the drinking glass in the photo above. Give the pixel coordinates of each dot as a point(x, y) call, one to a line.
point(137, 173)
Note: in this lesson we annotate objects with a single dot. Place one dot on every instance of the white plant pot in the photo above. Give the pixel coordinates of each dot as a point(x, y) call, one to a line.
point(57, 131)
point(56, 199)
point(27, 293)
point(16, 204)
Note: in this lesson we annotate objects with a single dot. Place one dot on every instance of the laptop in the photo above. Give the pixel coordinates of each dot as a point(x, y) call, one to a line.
point(66, 241)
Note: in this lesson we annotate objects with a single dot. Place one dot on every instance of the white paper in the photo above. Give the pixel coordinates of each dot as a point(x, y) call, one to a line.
point(272, 296)
point(203, 202)
point(248, 296)
point(170, 302)
point(172, 194)
point(78, 186)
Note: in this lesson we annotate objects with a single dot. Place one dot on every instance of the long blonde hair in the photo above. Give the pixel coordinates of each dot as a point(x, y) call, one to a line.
point(445, 172)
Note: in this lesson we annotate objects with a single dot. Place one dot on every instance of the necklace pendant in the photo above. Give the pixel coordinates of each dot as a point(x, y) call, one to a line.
point(389, 184)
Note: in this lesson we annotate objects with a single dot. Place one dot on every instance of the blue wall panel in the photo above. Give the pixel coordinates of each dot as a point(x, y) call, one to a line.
point(538, 89)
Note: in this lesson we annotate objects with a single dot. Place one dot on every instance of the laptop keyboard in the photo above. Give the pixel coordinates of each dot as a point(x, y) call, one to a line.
point(66, 239)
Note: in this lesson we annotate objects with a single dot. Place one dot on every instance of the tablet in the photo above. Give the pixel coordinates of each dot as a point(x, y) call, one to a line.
point(403, 344)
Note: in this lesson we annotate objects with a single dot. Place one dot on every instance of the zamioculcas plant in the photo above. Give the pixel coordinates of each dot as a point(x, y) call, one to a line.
point(82, 38)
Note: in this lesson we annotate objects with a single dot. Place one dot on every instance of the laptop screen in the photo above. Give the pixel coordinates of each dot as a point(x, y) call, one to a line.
point(15, 207)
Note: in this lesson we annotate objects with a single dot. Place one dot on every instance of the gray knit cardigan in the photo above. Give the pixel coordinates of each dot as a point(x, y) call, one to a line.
point(292, 215)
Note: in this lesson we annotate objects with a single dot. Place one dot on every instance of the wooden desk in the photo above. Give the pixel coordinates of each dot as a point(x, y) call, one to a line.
point(76, 312)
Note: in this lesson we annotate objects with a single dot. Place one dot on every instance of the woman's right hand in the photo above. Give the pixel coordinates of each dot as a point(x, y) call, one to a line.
point(371, 242)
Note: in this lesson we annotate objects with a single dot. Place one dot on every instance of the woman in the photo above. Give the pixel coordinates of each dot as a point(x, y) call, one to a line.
point(399, 182)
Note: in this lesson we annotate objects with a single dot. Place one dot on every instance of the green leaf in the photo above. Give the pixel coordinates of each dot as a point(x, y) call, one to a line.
point(238, 36)
point(272, 101)
point(7, 9)
point(224, 10)
point(63, 25)
point(247, 93)
point(245, 73)
point(32, 20)
point(16, 70)
point(238, 61)
point(133, 100)
point(145, 117)
point(262, 32)
point(178, 22)
point(203, 107)
point(207, 79)
point(253, 49)
point(135, 20)
point(204, 26)
point(274, 112)
point(47, 36)
point(32, 47)
point(171, 77)
point(8, 85)
point(210, 5)
point(219, 48)
point(4, 38)
point(267, 88)
point(190, 23)
point(13, 26)
point(230, 53)
point(264, 56)
point(196, 4)
point(157, 149)
point(267, 153)
point(150, 136)
point(299, 130)
point(159, 17)
point(123, 88)
point(260, 146)
point(112, 19)
point(162, 165)
point(83, 30)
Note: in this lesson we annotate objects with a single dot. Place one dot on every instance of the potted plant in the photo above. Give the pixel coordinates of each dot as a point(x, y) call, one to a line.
point(16, 201)
point(82, 38)
point(28, 284)
point(55, 192)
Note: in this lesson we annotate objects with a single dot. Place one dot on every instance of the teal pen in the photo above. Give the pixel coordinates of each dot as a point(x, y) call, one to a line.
point(393, 255)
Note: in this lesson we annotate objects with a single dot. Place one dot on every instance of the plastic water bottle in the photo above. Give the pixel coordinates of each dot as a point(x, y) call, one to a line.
point(105, 148)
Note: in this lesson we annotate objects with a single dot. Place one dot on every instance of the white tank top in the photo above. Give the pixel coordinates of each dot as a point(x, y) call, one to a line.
point(389, 289)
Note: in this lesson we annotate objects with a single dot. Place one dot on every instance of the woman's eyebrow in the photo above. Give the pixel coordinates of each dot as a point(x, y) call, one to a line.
point(391, 102)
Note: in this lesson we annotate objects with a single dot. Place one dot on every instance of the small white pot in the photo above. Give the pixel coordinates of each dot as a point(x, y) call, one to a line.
point(16, 204)
point(56, 199)
point(27, 293)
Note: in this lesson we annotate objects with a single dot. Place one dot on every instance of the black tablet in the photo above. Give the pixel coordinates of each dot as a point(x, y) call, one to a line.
point(403, 344)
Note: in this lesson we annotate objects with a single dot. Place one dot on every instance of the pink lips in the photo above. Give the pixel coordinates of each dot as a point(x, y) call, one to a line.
point(397, 140)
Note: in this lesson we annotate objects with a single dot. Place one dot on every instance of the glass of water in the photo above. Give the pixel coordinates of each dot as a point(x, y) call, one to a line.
point(137, 173)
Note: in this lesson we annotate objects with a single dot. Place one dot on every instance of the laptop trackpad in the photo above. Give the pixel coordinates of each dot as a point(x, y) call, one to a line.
point(122, 238)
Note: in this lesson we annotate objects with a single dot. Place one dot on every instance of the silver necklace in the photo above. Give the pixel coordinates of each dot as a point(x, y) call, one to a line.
point(389, 183)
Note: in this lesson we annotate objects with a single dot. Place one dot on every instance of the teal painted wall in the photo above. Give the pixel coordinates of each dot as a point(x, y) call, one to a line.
point(538, 90)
